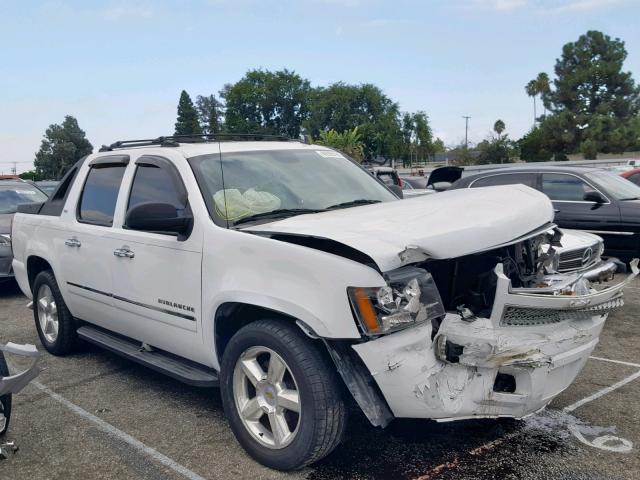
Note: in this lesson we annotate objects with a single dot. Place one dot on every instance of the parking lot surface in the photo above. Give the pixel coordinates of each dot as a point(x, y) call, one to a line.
point(95, 415)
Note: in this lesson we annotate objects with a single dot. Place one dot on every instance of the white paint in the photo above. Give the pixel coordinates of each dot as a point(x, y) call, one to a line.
point(447, 225)
point(125, 437)
point(607, 442)
point(601, 393)
point(619, 362)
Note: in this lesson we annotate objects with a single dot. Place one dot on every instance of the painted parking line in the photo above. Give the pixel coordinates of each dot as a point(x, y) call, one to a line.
point(125, 437)
point(619, 362)
point(601, 393)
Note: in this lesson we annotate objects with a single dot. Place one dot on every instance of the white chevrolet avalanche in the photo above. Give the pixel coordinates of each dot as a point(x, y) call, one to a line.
point(295, 281)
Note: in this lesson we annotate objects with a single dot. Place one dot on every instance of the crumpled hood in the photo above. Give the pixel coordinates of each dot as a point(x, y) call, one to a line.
point(445, 225)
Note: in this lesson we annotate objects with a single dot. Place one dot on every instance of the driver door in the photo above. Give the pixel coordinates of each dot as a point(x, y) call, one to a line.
point(157, 276)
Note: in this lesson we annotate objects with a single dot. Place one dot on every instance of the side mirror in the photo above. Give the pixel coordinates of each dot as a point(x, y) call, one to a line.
point(157, 217)
point(397, 190)
point(441, 186)
point(593, 196)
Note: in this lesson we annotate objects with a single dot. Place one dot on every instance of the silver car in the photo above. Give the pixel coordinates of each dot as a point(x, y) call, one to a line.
point(12, 194)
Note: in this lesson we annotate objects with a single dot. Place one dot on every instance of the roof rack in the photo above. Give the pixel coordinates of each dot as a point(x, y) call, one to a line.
point(175, 140)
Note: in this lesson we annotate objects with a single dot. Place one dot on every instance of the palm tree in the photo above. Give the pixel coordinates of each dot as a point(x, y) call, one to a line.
point(499, 127)
point(532, 90)
point(543, 87)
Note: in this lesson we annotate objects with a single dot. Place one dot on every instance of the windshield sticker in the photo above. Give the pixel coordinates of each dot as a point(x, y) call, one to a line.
point(329, 154)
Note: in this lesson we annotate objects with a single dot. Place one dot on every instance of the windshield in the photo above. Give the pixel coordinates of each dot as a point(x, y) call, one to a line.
point(280, 183)
point(614, 185)
point(17, 194)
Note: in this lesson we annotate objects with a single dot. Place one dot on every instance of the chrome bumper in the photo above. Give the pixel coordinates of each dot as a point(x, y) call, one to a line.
point(15, 383)
point(601, 272)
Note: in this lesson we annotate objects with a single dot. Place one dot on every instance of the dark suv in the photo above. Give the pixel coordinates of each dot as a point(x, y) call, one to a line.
point(589, 199)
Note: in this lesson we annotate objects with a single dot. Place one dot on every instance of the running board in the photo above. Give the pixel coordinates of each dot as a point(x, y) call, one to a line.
point(184, 370)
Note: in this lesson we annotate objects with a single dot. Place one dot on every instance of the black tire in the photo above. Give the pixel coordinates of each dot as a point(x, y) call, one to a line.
point(5, 400)
point(67, 339)
point(323, 415)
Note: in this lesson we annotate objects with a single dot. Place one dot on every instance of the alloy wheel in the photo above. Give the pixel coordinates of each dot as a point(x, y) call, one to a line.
point(266, 397)
point(47, 313)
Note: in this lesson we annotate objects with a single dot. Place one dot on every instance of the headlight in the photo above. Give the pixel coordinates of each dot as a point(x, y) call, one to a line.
point(5, 239)
point(410, 297)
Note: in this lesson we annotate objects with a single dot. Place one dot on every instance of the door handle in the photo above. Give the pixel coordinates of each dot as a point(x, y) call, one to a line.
point(124, 252)
point(72, 242)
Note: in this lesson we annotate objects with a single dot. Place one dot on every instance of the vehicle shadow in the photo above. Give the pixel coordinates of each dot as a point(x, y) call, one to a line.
point(9, 288)
point(406, 449)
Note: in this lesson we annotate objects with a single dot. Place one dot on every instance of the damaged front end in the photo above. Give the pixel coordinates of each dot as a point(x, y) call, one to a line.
point(505, 334)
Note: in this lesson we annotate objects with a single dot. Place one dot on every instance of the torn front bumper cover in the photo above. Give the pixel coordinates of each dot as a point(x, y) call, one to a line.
point(456, 376)
point(15, 383)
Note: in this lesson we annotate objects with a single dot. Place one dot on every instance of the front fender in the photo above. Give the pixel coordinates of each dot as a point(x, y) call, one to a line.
point(301, 282)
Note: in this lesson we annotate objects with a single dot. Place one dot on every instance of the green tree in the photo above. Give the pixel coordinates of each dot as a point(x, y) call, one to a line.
point(496, 148)
point(438, 145)
point(348, 142)
point(592, 100)
point(30, 175)
point(532, 90)
point(187, 121)
point(62, 146)
point(532, 147)
point(543, 88)
point(343, 107)
point(209, 110)
point(274, 103)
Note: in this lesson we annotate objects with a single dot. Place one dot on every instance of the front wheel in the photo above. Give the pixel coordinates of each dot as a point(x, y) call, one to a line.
point(281, 395)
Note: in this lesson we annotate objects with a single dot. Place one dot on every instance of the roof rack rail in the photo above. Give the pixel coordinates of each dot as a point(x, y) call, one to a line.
point(175, 140)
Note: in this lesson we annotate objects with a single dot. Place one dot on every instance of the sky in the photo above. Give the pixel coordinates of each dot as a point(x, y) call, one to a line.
point(119, 67)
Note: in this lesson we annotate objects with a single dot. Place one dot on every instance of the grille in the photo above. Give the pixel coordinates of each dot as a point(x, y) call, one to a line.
point(579, 258)
point(525, 316)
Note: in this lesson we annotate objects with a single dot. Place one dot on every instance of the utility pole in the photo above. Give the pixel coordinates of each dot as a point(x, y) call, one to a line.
point(466, 131)
point(14, 170)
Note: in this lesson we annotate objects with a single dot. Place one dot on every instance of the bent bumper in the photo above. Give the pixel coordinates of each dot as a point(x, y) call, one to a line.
point(416, 384)
point(602, 271)
point(454, 375)
point(15, 383)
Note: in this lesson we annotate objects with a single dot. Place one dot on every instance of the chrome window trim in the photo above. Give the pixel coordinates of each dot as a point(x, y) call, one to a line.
point(607, 232)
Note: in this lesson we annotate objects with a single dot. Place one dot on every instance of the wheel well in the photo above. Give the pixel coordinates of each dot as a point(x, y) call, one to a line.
point(35, 265)
point(232, 316)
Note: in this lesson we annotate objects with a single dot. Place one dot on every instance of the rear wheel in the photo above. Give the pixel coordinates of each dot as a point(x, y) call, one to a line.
point(55, 324)
point(281, 395)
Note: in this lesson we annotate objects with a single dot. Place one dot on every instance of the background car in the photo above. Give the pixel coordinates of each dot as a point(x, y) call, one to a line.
point(47, 186)
point(13, 193)
point(584, 198)
point(415, 186)
point(632, 175)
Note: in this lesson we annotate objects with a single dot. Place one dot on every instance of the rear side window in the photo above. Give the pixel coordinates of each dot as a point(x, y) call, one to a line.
point(100, 193)
point(528, 179)
point(558, 186)
point(635, 178)
point(155, 184)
